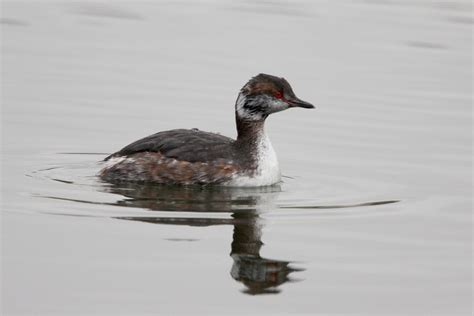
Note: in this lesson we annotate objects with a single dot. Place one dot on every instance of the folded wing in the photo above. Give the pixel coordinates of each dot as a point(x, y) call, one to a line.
point(190, 145)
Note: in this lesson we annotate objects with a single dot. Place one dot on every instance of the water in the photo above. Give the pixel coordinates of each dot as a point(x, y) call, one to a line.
point(373, 216)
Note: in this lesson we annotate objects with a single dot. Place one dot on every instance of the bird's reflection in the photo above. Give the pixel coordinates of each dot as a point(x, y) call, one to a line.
point(259, 275)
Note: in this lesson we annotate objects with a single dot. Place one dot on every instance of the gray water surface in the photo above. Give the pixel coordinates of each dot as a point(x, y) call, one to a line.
point(373, 216)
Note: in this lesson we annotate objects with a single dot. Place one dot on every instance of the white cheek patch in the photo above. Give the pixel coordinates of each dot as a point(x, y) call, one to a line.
point(277, 106)
point(239, 106)
point(244, 113)
point(271, 105)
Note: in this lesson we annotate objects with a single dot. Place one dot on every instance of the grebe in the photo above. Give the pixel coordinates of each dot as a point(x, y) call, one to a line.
point(191, 156)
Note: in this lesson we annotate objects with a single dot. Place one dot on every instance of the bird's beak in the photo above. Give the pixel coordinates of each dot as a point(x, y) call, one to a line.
point(300, 103)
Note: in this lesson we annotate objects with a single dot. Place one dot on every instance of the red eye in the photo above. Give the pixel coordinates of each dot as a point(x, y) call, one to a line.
point(278, 95)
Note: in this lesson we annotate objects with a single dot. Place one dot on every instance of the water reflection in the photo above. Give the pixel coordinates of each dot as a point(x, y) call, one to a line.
point(259, 275)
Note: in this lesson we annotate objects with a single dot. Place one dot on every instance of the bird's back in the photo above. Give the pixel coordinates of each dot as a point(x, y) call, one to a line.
point(179, 156)
point(191, 145)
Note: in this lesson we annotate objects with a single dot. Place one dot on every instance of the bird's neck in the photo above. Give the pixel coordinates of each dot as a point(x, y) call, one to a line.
point(250, 125)
point(252, 141)
point(250, 136)
point(250, 131)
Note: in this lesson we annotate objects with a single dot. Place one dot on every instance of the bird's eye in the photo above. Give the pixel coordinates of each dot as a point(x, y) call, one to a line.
point(278, 95)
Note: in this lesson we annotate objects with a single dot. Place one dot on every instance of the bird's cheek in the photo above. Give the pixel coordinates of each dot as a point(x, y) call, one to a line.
point(278, 106)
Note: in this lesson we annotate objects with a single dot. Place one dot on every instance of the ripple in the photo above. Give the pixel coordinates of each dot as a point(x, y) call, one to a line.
point(107, 11)
point(13, 22)
point(185, 200)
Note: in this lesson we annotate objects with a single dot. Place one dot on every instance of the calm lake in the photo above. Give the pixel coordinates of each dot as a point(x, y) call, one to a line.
point(373, 216)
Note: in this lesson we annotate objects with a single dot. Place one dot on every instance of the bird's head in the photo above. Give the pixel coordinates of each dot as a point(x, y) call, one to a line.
point(265, 94)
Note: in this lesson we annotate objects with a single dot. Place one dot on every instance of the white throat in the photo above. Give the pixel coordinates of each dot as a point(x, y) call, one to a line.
point(267, 170)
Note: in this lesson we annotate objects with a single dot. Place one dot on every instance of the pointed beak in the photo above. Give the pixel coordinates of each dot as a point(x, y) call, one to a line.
point(300, 103)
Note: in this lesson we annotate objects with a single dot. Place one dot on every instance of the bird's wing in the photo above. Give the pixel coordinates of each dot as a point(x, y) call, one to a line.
point(182, 144)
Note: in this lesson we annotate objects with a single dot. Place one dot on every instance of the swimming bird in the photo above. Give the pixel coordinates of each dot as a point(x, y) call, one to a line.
point(191, 156)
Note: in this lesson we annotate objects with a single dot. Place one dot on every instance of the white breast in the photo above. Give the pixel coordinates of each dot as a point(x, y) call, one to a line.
point(268, 169)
